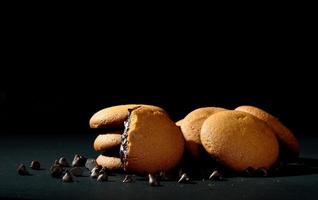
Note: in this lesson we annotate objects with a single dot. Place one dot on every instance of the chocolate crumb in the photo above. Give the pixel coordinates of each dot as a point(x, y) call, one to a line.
point(63, 162)
point(67, 178)
point(56, 171)
point(216, 176)
point(22, 170)
point(184, 178)
point(153, 180)
point(35, 165)
point(128, 179)
point(102, 177)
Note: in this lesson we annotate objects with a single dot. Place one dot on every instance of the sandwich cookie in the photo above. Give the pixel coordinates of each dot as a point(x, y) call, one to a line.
point(283, 134)
point(191, 127)
point(108, 141)
point(178, 123)
point(238, 140)
point(109, 144)
point(151, 142)
point(114, 117)
point(108, 162)
point(111, 118)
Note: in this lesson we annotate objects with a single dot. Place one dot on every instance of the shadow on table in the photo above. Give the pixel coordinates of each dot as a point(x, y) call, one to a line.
point(297, 167)
point(302, 166)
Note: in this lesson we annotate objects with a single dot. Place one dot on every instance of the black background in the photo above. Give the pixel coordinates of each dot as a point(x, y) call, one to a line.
point(56, 73)
point(60, 66)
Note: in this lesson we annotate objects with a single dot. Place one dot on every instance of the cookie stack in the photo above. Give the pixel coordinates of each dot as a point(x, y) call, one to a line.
point(138, 138)
point(238, 139)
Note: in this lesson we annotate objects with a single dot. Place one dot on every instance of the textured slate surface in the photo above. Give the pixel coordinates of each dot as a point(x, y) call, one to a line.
point(22, 148)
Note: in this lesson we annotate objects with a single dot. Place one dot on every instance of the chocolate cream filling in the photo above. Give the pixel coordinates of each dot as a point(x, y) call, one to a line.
point(123, 151)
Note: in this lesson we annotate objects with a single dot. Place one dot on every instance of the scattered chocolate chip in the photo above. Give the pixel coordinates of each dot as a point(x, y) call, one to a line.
point(95, 172)
point(35, 165)
point(216, 176)
point(90, 164)
point(153, 180)
point(77, 171)
point(250, 171)
point(56, 171)
point(102, 177)
point(22, 170)
point(63, 162)
point(103, 171)
point(56, 162)
point(67, 178)
point(184, 178)
point(79, 161)
point(127, 179)
point(261, 172)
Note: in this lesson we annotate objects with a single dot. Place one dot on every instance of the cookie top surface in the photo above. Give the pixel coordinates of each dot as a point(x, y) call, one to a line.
point(239, 140)
point(114, 117)
point(154, 142)
point(283, 134)
point(107, 141)
point(191, 127)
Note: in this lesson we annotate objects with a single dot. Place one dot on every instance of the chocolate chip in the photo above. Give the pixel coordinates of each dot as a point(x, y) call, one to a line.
point(35, 165)
point(90, 164)
point(22, 170)
point(79, 161)
point(67, 178)
point(184, 178)
point(103, 171)
point(56, 162)
point(56, 171)
point(261, 172)
point(95, 172)
point(250, 171)
point(127, 179)
point(216, 176)
point(63, 162)
point(77, 171)
point(102, 177)
point(153, 180)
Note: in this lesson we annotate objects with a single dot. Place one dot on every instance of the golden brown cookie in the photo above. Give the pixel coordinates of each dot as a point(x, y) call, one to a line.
point(239, 140)
point(114, 117)
point(111, 163)
point(107, 141)
point(191, 127)
point(178, 123)
point(283, 134)
point(151, 142)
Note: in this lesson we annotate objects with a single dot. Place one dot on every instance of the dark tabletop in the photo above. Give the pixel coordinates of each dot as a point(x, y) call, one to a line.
point(46, 147)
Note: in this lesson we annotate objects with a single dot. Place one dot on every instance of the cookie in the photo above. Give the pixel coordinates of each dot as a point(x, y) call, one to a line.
point(191, 127)
point(114, 117)
point(178, 123)
point(283, 134)
point(239, 140)
point(151, 142)
point(107, 141)
point(110, 163)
